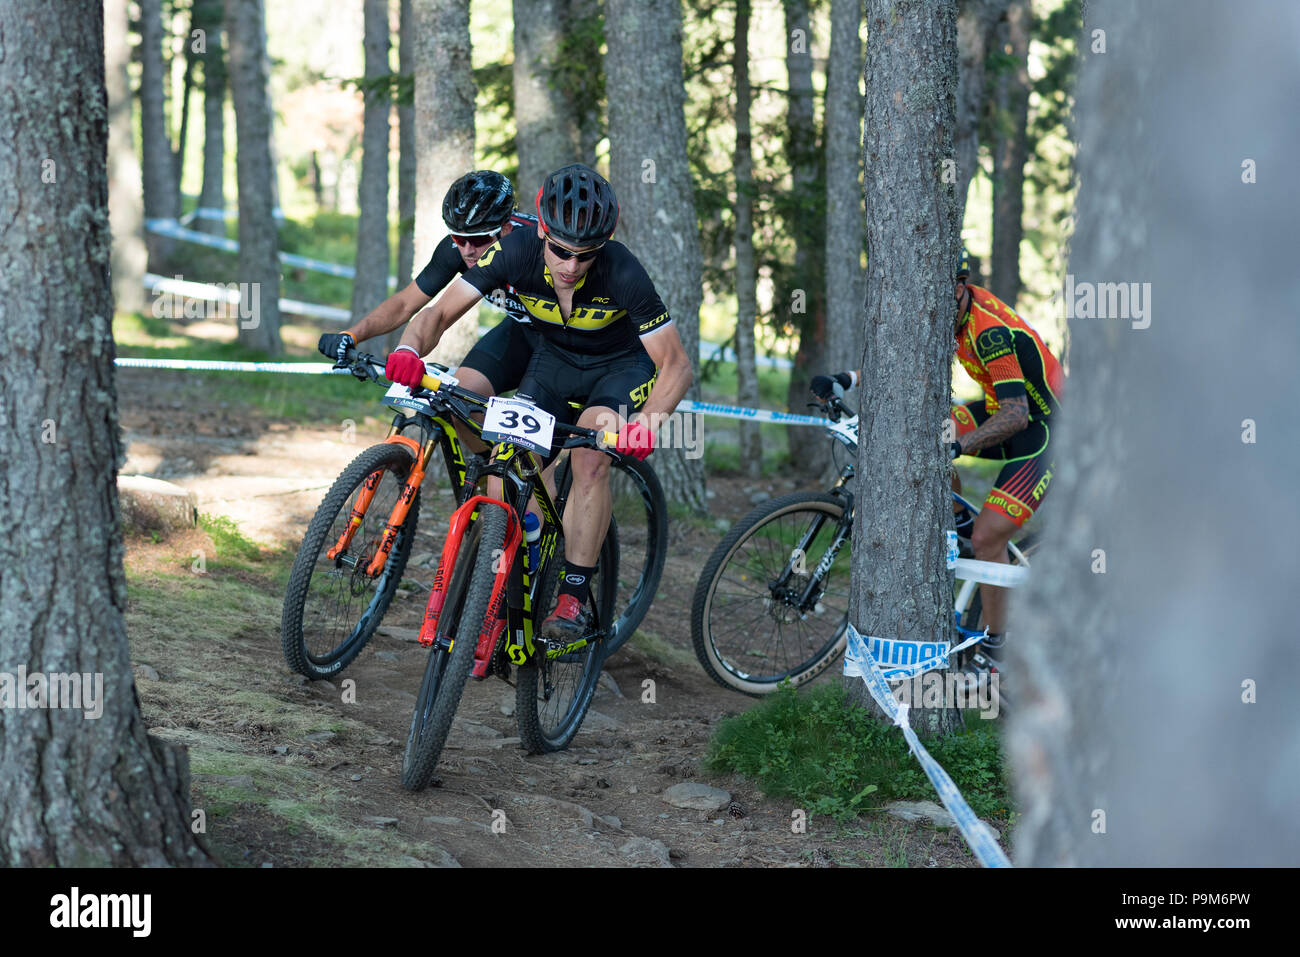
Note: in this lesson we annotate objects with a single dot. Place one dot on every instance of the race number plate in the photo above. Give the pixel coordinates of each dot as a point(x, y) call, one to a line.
point(520, 422)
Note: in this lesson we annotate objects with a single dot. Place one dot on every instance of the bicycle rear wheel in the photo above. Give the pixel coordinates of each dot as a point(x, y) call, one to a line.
point(641, 514)
point(749, 626)
point(553, 693)
point(332, 606)
point(445, 673)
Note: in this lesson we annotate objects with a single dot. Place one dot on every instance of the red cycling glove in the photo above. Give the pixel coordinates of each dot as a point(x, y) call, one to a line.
point(404, 367)
point(636, 440)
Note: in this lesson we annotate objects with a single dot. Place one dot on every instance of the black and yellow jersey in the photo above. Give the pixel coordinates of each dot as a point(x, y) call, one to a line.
point(613, 304)
point(446, 264)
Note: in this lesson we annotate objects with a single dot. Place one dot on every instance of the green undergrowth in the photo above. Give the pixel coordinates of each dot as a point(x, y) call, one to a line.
point(812, 748)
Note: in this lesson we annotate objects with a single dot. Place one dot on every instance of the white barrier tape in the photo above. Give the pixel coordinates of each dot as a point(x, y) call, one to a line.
point(725, 353)
point(202, 290)
point(976, 833)
point(753, 415)
point(990, 573)
point(173, 228)
point(217, 365)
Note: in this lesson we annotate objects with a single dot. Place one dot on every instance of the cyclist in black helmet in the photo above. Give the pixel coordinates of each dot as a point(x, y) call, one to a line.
point(603, 333)
point(478, 209)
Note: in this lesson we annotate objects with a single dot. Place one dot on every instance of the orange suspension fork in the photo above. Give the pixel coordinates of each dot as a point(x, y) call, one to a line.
point(460, 520)
point(403, 505)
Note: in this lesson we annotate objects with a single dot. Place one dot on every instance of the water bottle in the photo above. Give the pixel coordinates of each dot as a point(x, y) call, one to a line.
point(533, 533)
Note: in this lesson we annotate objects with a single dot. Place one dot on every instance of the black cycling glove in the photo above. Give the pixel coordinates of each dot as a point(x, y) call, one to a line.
point(335, 345)
point(823, 386)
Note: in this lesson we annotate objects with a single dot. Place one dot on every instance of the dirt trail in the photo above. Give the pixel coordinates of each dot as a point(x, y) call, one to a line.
point(601, 803)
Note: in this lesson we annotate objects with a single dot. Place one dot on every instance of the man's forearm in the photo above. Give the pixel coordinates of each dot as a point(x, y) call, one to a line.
point(668, 390)
point(424, 331)
point(1011, 418)
point(381, 320)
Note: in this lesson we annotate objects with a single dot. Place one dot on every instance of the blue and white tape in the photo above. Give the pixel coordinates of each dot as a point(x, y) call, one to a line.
point(976, 833)
point(990, 573)
point(212, 293)
point(753, 415)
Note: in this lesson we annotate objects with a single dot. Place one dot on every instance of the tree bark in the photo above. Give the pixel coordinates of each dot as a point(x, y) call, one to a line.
point(977, 22)
point(1010, 151)
point(546, 128)
point(1155, 656)
point(371, 285)
point(444, 135)
point(747, 393)
point(259, 260)
point(161, 194)
point(126, 211)
point(75, 790)
point(187, 88)
point(845, 222)
point(406, 155)
point(213, 193)
point(901, 587)
point(652, 178)
point(805, 300)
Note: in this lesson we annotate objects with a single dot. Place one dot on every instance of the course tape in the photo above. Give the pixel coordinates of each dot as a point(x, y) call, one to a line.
point(976, 833)
point(925, 657)
point(990, 573)
point(215, 365)
point(202, 290)
point(173, 228)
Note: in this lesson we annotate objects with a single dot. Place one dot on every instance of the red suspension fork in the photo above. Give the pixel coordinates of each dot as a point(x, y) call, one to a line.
point(460, 520)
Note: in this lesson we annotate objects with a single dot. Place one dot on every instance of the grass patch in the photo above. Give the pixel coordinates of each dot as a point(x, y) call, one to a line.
point(838, 760)
point(657, 649)
point(229, 541)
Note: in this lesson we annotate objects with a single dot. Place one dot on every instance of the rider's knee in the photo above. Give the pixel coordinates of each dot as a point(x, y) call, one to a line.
point(589, 465)
point(989, 544)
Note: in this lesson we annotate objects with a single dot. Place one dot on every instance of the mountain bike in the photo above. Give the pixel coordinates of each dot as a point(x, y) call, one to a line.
point(489, 596)
point(772, 604)
point(357, 545)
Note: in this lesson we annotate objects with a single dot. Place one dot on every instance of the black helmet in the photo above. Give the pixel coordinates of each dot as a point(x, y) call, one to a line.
point(963, 264)
point(577, 206)
point(478, 203)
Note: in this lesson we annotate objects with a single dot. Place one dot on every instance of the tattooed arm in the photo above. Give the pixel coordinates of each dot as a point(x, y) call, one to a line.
point(1011, 417)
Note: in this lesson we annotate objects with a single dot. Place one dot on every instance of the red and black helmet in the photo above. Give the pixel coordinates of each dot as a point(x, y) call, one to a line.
point(577, 206)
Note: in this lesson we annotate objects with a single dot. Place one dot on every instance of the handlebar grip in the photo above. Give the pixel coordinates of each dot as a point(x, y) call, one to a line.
point(432, 383)
point(609, 438)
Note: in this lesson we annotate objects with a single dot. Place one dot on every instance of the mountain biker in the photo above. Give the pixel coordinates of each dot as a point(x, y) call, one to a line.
point(1023, 384)
point(603, 332)
point(478, 209)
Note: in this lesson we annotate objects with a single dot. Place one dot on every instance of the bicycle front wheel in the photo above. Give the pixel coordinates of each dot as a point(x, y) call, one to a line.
point(755, 620)
point(553, 692)
point(333, 605)
point(463, 614)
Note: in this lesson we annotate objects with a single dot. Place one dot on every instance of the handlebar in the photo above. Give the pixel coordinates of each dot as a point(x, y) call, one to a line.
point(365, 366)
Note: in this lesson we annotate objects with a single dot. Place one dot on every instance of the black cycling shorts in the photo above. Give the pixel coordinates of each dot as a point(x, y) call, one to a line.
point(556, 376)
point(1022, 483)
point(503, 354)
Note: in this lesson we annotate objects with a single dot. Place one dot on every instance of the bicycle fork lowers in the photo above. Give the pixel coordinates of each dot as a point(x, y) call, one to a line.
point(405, 496)
point(493, 621)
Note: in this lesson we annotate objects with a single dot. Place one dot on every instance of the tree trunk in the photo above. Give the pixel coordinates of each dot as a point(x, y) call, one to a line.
point(586, 19)
point(406, 156)
point(845, 225)
point(805, 300)
point(187, 87)
point(213, 194)
point(444, 136)
point(977, 22)
point(546, 127)
point(371, 285)
point(900, 586)
point(652, 178)
point(747, 394)
point(259, 262)
point(161, 195)
point(126, 212)
point(77, 789)
point(1010, 151)
point(1157, 661)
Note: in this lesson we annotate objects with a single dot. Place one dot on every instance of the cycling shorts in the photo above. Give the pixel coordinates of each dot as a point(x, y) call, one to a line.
point(620, 381)
point(503, 354)
point(1022, 483)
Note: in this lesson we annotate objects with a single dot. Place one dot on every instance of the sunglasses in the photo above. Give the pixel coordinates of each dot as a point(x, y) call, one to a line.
point(564, 255)
point(475, 241)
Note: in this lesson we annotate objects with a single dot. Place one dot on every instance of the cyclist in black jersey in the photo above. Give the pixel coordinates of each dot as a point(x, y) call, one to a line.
point(605, 339)
point(478, 209)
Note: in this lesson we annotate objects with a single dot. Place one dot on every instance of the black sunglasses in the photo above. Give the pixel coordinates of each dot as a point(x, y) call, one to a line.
point(564, 255)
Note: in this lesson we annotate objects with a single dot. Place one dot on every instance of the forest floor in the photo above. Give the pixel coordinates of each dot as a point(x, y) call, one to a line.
point(289, 772)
